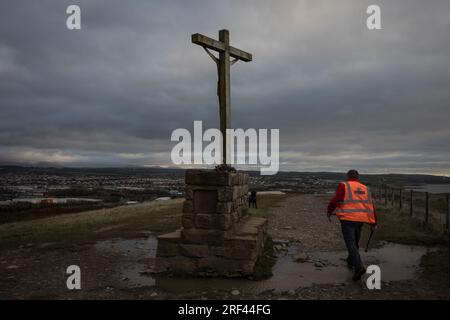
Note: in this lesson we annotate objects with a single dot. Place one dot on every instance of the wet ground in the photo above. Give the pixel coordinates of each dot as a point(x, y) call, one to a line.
point(397, 262)
point(141, 251)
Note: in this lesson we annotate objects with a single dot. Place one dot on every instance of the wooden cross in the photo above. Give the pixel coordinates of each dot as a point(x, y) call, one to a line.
point(223, 86)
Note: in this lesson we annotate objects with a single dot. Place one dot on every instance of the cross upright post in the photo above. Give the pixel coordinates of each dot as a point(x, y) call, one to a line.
point(224, 94)
point(223, 86)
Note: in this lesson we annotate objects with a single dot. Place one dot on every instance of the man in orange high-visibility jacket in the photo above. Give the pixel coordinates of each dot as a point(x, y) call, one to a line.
point(353, 205)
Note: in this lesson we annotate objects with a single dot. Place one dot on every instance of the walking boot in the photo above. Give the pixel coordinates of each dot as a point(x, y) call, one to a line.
point(359, 272)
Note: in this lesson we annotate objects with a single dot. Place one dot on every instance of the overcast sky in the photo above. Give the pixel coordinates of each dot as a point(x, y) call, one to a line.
point(341, 95)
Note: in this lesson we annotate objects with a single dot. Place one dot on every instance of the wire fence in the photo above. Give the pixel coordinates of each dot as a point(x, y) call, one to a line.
point(432, 209)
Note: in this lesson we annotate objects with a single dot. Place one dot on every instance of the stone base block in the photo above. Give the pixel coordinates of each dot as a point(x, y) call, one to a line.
point(191, 251)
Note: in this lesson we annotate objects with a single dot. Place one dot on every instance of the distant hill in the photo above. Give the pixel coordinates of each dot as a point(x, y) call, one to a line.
point(138, 171)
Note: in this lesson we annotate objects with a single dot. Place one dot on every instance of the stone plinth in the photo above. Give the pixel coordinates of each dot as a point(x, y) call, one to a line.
point(217, 237)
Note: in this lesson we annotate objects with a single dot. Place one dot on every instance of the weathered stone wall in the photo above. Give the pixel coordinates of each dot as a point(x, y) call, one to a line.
point(230, 191)
point(217, 238)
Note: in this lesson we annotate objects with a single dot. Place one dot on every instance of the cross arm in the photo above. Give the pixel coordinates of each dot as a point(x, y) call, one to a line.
point(207, 42)
point(212, 44)
point(240, 55)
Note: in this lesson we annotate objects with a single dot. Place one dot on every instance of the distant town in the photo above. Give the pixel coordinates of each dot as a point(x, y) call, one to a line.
point(36, 190)
point(127, 184)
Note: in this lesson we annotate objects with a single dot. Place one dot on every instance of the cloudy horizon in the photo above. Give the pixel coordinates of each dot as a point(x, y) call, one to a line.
point(342, 96)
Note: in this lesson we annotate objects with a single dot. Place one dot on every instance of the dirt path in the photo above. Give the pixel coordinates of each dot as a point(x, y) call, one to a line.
point(302, 218)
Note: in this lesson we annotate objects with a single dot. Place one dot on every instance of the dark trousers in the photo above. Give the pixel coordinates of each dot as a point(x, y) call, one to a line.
point(252, 202)
point(351, 231)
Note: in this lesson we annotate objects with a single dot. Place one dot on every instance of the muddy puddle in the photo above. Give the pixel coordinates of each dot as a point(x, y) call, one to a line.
point(397, 262)
point(140, 253)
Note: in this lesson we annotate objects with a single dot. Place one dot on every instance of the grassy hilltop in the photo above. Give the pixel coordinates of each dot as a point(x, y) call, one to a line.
point(128, 221)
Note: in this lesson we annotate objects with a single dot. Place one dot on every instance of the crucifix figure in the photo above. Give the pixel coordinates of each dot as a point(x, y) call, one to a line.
point(223, 85)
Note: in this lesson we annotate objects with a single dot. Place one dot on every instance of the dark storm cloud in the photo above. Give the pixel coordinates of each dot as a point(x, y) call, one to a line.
point(340, 94)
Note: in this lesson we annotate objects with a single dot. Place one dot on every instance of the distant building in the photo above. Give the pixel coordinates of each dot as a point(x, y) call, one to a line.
point(46, 201)
point(162, 199)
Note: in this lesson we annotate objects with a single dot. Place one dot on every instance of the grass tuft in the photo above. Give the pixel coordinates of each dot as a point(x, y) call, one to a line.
point(401, 228)
point(265, 263)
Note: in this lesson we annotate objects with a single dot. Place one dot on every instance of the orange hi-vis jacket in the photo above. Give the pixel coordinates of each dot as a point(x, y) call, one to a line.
point(357, 204)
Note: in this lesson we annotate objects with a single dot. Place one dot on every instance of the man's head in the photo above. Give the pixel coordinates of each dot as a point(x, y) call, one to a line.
point(352, 174)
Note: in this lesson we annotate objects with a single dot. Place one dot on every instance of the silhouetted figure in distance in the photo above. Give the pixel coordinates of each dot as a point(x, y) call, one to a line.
point(252, 200)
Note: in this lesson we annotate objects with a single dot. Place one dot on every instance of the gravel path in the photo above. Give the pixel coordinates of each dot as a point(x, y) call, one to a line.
point(303, 219)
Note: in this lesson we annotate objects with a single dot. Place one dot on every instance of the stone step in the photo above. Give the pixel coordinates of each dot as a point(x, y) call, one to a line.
point(251, 226)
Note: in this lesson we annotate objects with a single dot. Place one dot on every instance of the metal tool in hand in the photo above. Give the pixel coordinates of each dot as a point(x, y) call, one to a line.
point(372, 230)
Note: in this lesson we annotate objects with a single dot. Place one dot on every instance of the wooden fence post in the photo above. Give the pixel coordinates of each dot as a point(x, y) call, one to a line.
point(447, 213)
point(411, 203)
point(427, 207)
point(385, 195)
point(393, 197)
